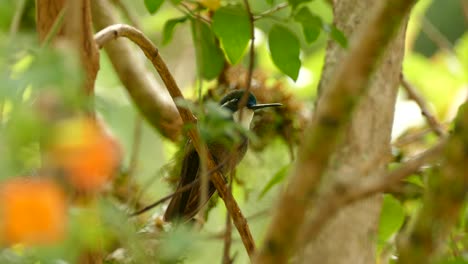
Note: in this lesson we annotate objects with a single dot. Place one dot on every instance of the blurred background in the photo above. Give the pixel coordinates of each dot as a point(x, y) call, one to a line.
point(436, 64)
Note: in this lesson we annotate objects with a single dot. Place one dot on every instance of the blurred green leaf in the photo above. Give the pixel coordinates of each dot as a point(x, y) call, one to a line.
point(169, 26)
point(311, 24)
point(337, 35)
point(153, 5)
point(391, 219)
point(284, 50)
point(453, 261)
point(295, 3)
point(210, 58)
point(416, 180)
point(176, 244)
point(232, 26)
point(277, 178)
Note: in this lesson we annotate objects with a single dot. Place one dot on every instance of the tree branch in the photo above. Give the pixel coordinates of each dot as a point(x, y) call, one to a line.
point(154, 102)
point(341, 195)
point(444, 199)
point(325, 130)
point(152, 54)
point(414, 95)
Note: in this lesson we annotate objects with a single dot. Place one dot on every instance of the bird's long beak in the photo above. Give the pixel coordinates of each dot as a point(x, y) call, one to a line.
point(259, 106)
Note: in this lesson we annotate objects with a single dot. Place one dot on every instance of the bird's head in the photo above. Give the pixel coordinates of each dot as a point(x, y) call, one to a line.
point(232, 101)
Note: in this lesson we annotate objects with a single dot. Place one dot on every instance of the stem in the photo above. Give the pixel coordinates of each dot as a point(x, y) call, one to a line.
point(152, 53)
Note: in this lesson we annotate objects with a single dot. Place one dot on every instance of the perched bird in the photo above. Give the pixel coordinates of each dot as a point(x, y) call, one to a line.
point(226, 152)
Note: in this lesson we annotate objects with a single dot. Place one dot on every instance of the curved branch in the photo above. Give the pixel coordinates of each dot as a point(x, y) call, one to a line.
point(151, 52)
point(153, 101)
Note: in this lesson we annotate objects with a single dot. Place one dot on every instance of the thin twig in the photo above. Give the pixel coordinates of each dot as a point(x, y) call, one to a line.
point(152, 53)
point(271, 11)
point(136, 144)
point(55, 28)
point(188, 11)
point(127, 12)
point(436, 36)
point(228, 233)
point(165, 198)
point(248, 82)
point(135, 153)
point(414, 95)
point(343, 194)
point(16, 21)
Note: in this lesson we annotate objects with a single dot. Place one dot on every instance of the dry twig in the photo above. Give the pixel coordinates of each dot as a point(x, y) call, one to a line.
point(151, 52)
point(414, 95)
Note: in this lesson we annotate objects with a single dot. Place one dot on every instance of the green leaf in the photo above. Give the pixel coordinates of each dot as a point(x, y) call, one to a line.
point(176, 2)
point(295, 3)
point(169, 26)
point(284, 50)
point(153, 5)
point(210, 58)
point(311, 24)
point(232, 26)
point(277, 178)
point(453, 261)
point(391, 219)
point(338, 36)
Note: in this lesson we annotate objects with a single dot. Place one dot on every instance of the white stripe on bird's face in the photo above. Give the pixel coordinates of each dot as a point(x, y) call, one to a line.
point(247, 116)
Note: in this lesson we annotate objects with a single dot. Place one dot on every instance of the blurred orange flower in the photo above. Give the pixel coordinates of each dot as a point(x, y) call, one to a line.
point(85, 152)
point(31, 212)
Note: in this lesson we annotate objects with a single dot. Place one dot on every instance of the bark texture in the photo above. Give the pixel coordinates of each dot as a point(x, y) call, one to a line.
point(350, 236)
point(76, 28)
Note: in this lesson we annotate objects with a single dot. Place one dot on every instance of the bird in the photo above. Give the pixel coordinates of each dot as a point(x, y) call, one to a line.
point(227, 154)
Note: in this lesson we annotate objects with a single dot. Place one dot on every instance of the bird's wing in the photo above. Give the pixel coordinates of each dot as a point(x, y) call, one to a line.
point(186, 204)
point(188, 174)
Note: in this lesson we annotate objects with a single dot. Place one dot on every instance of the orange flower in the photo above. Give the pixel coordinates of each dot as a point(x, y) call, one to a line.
point(31, 212)
point(87, 154)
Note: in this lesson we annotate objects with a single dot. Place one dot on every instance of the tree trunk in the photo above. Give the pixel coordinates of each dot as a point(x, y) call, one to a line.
point(350, 237)
point(76, 28)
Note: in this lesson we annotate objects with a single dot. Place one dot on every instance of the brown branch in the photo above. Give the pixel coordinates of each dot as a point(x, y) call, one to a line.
point(228, 232)
point(343, 194)
point(154, 102)
point(324, 133)
point(414, 95)
point(245, 96)
point(443, 203)
point(79, 29)
point(152, 54)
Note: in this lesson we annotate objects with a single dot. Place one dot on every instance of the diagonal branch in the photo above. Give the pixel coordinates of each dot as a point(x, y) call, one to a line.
point(341, 195)
point(324, 133)
point(151, 52)
point(415, 96)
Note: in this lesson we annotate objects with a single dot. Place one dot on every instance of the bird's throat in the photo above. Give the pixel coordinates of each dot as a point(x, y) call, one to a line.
point(247, 116)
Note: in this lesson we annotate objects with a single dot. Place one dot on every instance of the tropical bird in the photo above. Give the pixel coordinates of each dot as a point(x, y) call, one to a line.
point(226, 152)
